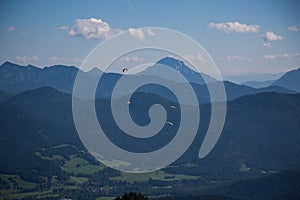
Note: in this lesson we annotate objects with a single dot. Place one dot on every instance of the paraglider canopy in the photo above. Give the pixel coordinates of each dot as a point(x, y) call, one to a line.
point(82, 151)
point(170, 123)
point(173, 107)
point(124, 69)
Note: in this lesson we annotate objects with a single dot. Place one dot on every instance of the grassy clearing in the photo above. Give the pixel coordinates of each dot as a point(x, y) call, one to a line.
point(105, 198)
point(78, 180)
point(54, 157)
point(244, 168)
point(80, 166)
point(20, 182)
point(63, 145)
point(158, 175)
point(184, 165)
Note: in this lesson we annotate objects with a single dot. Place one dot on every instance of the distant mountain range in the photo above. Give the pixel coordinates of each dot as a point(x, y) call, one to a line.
point(242, 78)
point(258, 84)
point(290, 80)
point(15, 79)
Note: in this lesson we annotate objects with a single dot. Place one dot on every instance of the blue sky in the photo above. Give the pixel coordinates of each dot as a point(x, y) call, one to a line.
point(243, 37)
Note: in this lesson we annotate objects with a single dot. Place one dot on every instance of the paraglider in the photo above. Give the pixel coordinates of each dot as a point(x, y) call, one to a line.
point(127, 103)
point(170, 123)
point(173, 107)
point(125, 69)
point(82, 151)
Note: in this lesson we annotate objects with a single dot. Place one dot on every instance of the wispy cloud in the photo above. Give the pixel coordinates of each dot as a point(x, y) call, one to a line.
point(235, 58)
point(294, 28)
point(56, 59)
point(92, 29)
point(129, 4)
point(235, 27)
point(24, 32)
point(62, 28)
point(76, 60)
point(27, 59)
point(129, 59)
point(281, 56)
point(11, 28)
point(197, 57)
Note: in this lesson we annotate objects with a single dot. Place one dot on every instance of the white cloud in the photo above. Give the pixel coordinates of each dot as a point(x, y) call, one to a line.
point(294, 28)
point(92, 29)
point(267, 44)
point(11, 28)
point(281, 56)
point(76, 60)
point(139, 33)
point(150, 32)
point(271, 36)
point(27, 59)
point(235, 27)
point(129, 59)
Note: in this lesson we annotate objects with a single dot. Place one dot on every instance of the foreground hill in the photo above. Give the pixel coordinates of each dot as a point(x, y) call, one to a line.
point(4, 96)
point(31, 121)
point(260, 136)
point(281, 186)
point(261, 130)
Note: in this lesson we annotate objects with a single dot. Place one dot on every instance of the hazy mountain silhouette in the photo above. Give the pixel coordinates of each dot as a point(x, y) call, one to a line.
point(258, 84)
point(15, 79)
point(241, 78)
point(178, 65)
point(290, 80)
